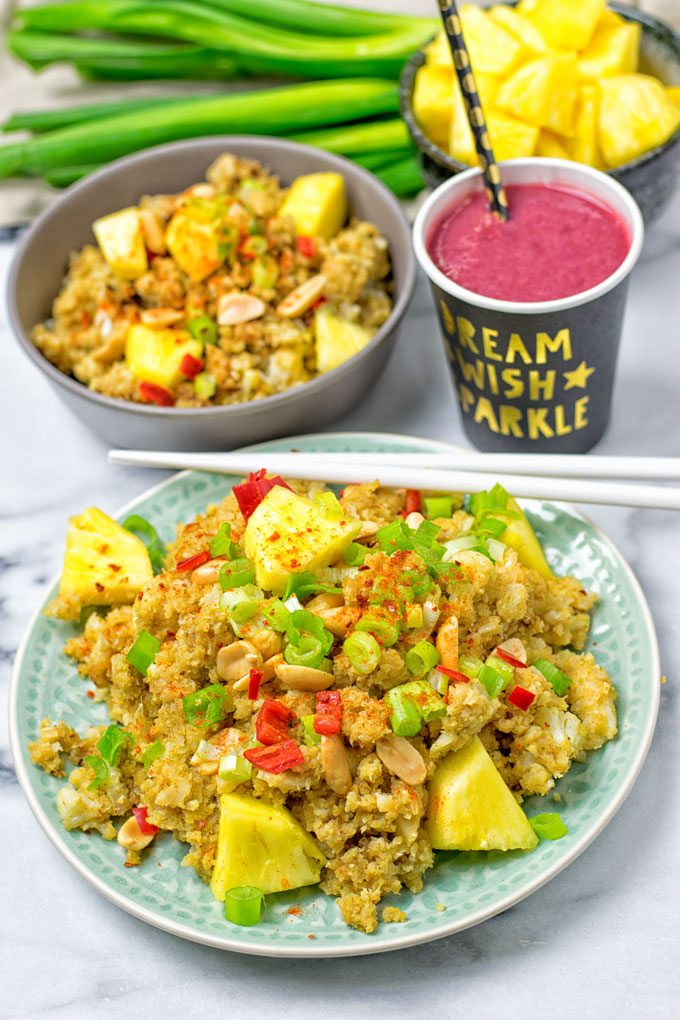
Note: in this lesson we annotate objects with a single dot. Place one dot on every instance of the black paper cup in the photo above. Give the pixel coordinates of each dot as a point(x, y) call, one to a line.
point(532, 376)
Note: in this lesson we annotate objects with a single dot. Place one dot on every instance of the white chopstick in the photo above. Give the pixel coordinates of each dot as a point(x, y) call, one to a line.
point(342, 469)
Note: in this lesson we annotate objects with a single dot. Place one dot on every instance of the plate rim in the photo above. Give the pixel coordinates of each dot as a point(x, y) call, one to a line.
point(309, 951)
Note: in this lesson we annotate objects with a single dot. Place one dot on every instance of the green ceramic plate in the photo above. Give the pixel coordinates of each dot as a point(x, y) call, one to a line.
point(472, 887)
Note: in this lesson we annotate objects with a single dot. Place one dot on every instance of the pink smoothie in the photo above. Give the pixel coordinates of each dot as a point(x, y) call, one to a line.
point(557, 242)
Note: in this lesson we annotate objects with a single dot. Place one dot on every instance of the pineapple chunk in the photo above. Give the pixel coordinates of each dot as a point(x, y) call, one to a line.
point(491, 48)
point(551, 145)
point(521, 27)
point(674, 93)
point(337, 339)
point(120, 239)
point(567, 24)
point(584, 147)
point(104, 565)
point(155, 355)
point(288, 534)
point(521, 537)
point(543, 92)
point(262, 845)
point(510, 138)
point(193, 239)
point(317, 204)
point(433, 101)
point(614, 49)
point(636, 114)
point(471, 808)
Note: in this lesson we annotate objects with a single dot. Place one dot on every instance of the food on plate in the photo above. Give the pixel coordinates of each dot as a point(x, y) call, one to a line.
point(309, 688)
point(556, 78)
point(230, 291)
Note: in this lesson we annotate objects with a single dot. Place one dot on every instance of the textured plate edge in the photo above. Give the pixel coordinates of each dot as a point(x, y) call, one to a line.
point(399, 942)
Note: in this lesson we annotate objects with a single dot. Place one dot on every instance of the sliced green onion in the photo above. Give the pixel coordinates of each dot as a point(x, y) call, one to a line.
point(312, 738)
point(426, 536)
point(423, 695)
point(384, 630)
point(496, 549)
point(242, 604)
point(492, 680)
point(205, 385)
point(414, 617)
point(501, 666)
point(489, 499)
point(470, 666)
point(100, 769)
point(491, 526)
point(558, 680)
point(421, 658)
point(301, 622)
point(405, 718)
point(265, 272)
point(236, 573)
point(234, 768)
point(439, 682)
point(277, 614)
point(457, 545)
point(437, 506)
point(548, 826)
point(420, 584)
point(243, 905)
point(203, 328)
point(143, 652)
point(304, 584)
point(363, 651)
point(355, 554)
point(207, 706)
point(152, 753)
point(146, 532)
point(112, 742)
point(394, 536)
point(327, 503)
point(222, 544)
point(307, 651)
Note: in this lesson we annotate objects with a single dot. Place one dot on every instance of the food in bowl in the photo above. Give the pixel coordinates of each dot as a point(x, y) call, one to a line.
point(324, 689)
point(233, 290)
point(556, 78)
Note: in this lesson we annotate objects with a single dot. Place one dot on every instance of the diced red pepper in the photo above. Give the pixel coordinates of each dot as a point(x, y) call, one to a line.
point(153, 394)
point(277, 758)
point(254, 681)
point(328, 718)
point(520, 697)
point(193, 561)
point(414, 501)
point(454, 674)
point(271, 725)
point(249, 494)
point(510, 659)
point(306, 246)
point(146, 828)
point(191, 366)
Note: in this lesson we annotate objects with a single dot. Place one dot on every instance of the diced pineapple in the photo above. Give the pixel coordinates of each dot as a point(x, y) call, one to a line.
point(287, 534)
point(438, 52)
point(636, 114)
point(611, 18)
point(471, 808)
point(584, 147)
point(337, 339)
point(120, 239)
point(461, 143)
point(551, 145)
point(155, 355)
point(104, 565)
point(317, 204)
point(193, 240)
point(491, 48)
point(521, 537)
point(567, 24)
point(674, 94)
point(264, 846)
point(510, 138)
point(433, 101)
point(542, 92)
point(521, 27)
point(614, 49)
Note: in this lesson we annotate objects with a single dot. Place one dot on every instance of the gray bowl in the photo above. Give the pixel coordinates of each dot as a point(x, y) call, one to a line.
point(39, 265)
point(652, 179)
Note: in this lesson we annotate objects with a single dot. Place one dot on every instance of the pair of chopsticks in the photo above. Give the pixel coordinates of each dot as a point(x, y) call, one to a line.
point(570, 478)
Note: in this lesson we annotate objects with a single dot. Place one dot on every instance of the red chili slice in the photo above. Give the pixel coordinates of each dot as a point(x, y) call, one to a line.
point(306, 246)
point(153, 394)
point(328, 718)
point(278, 758)
point(454, 674)
point(271, 725)
point(254, 681)
point(191, 366)
point(520, 697)
point(414, 501)
point(249, 494)
point(510, 659)
point(193, 561)
point(146, 828)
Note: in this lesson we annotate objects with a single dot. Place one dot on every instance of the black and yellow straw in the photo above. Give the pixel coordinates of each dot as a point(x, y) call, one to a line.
point(461, 61)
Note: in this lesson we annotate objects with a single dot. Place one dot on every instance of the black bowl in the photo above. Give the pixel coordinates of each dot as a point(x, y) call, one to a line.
point(652, 179)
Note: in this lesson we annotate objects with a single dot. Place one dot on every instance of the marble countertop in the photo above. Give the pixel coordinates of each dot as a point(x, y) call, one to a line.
point(600, 941)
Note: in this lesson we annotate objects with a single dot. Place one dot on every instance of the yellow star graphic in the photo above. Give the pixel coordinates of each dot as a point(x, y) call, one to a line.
point(577, 377)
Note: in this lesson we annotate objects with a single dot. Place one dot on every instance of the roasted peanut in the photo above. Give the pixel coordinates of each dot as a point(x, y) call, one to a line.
point(402, 759)
point(304, 678)
point(302, 298)
point(335, 765)
point(130, 836)
point(237, 659)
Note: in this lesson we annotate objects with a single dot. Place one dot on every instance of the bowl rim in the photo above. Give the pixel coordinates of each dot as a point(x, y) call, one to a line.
point(245, 408)
point(446, 162)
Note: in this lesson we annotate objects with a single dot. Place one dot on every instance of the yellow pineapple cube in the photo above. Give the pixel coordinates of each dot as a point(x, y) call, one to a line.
point(193, 239)
point(521, 27)
point(551, 145)
point(614, 49)
point(510, 139)
point(155, 355)
point(461, 142)
point(288, 534)
point(336, 338)
point(674, 94)
point(438, 52)
point(104, 565)
point(120, 239)
point(567, 24)
point(542, 92)
point(521, 537)
point(584, 147)
point(433, 101)
point(491, 47)
point(317, 204)
point(636, 114)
